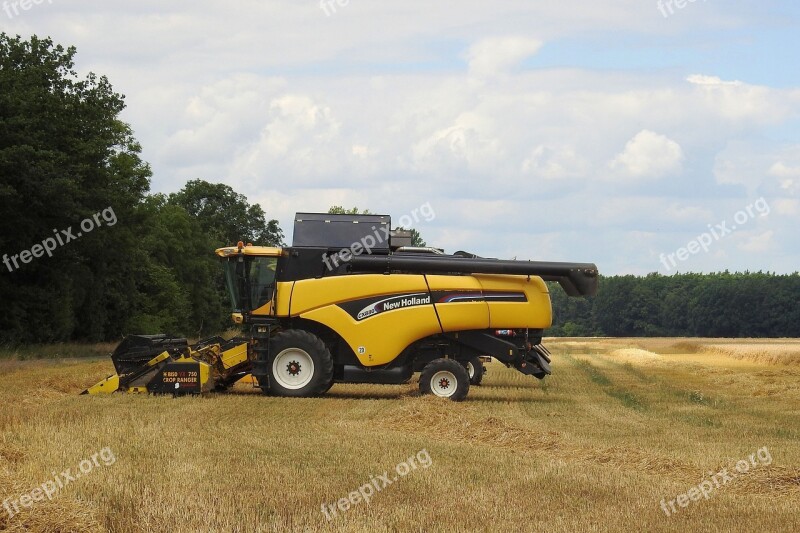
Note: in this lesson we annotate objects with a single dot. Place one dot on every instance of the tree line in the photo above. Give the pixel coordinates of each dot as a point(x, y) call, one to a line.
point(723, 304)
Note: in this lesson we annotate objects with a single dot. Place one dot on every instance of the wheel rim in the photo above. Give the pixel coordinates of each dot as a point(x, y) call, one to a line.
point(471, 370)
point(293, 368)
point(444, 384)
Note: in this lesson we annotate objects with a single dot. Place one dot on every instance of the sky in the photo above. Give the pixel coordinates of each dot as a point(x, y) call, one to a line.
point(640, 135)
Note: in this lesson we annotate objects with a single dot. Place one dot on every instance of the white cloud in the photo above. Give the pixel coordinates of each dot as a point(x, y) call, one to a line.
point(789, 177)
point(301, 138)
point(760, 166)
point(711, 81)
point(455, 148)
point(554, 163)
point(739, 102)
point(786, 207)
point(756, 242)
point(649, 155)
point(496, 55)
point(361, 150)
point(689, 213)
point(297, 119)
point(782, 170)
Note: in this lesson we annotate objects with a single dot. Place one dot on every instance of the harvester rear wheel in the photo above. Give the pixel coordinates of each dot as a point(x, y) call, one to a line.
point(475, 370)
point(302, 365)
point(445, 378)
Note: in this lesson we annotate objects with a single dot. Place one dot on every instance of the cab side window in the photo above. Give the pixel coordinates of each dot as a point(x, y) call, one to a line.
point(262, 280)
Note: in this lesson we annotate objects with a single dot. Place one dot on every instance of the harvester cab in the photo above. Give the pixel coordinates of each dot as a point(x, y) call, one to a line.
point(352, 302)
point(250, 273)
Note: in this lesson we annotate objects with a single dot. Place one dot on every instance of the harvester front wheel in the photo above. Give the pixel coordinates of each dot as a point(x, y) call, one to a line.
point(327, 387)
point(445, 378)
point(475, 370)
point(302, 365)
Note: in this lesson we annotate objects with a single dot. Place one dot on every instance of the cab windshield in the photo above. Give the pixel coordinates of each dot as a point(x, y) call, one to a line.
point(250, 281)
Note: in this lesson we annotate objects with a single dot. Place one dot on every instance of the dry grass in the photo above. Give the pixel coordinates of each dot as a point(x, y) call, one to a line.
point(770, 354)
point(621, 425)
point(636, 355)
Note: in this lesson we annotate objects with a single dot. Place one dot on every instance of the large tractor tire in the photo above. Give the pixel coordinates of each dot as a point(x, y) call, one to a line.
point(475, 370)
point(328, 386)
point(301, 364)
point(445, 378)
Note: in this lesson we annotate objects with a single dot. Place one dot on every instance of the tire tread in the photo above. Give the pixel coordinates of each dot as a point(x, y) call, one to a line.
point(302, 339)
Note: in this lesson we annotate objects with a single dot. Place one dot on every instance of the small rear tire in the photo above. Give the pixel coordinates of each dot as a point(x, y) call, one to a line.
point(475, 370)
point(445, 378)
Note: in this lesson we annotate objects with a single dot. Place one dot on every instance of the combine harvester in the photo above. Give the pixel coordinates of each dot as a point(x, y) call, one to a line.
point(352, 302)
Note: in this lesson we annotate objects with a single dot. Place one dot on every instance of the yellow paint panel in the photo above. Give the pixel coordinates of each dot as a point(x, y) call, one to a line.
point(106, 386)
point(460, 316)
point(264, 310)
point(309, 294)
point(250, 250)
point(205, 374)
point(378, 340)
point(536, 313)
point(283, 298)
point(234, 356)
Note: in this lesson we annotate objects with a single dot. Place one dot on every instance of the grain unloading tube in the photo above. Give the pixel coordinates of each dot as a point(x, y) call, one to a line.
point(577, 279)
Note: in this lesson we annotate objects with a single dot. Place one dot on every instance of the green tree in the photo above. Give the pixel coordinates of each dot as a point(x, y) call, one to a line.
point(64, 156)
point(179, 279)
point(226, 216)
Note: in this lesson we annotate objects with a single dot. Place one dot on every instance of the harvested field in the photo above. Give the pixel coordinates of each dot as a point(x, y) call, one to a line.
point(621, 425)
point(770, 354)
